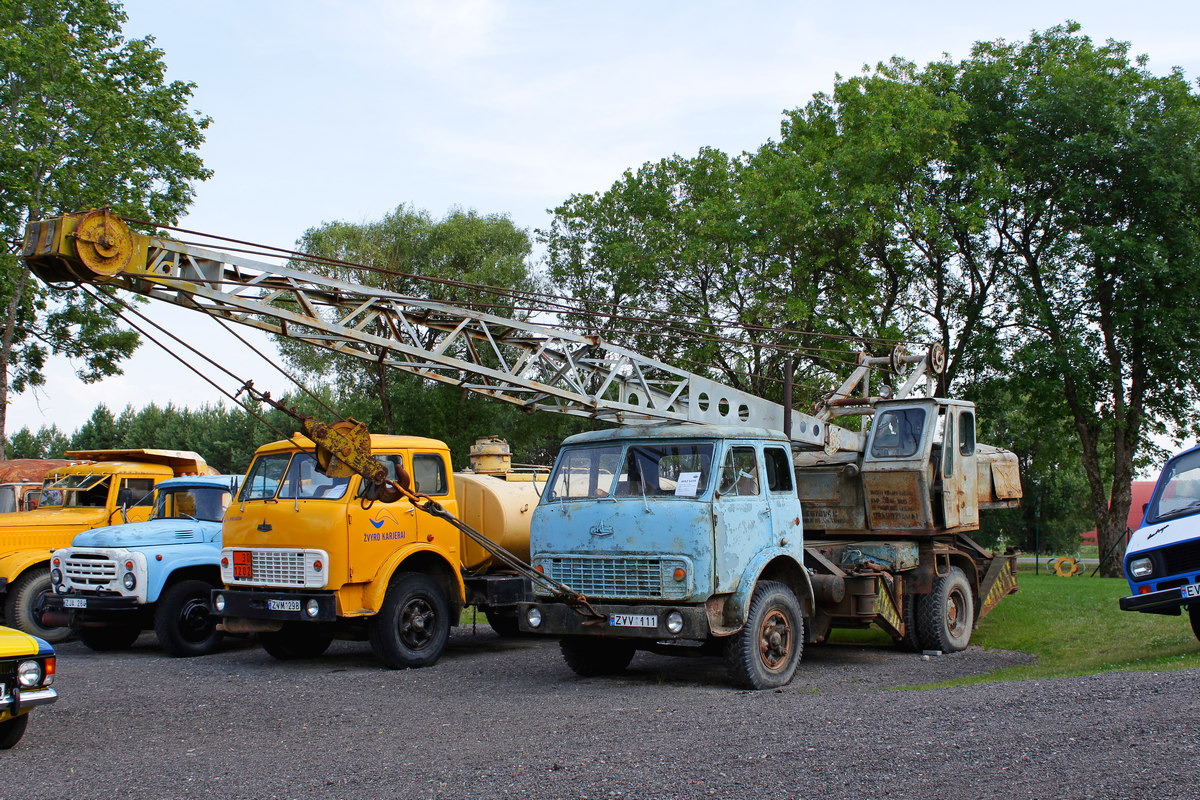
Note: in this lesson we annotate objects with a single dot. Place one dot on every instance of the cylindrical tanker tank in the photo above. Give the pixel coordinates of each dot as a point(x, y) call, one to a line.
point(500, 507)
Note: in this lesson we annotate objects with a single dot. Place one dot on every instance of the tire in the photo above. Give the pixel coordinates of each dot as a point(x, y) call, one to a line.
point(184, 621)
point(946, 616)
point(911, 641)
point(504, 624)
point(110, 638)
point(1194, 616)
point(589, 656)
point(24, 607)
point(764, 654)
point(413, 625)
point(12, 730)
point(295, 642)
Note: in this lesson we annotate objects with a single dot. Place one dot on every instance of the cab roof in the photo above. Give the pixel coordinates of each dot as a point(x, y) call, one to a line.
point(379, 442)
point(672, 430)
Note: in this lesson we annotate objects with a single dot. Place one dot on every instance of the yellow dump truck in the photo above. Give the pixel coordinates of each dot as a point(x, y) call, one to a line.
point(307, 558)
point(115, 486)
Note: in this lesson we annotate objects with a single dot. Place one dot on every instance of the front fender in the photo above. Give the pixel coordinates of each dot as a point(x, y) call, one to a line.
point(14, 564)
point(727, 613)
point(159, 572)
point(374, 592)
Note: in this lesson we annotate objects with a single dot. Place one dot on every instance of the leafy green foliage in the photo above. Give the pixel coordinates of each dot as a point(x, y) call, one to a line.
point(87, 119)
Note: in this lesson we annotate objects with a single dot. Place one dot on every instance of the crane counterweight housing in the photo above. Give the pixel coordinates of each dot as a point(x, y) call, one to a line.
point(708, 518)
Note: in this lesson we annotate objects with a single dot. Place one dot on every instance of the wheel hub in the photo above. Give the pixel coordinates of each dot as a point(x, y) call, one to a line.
point(775, 644)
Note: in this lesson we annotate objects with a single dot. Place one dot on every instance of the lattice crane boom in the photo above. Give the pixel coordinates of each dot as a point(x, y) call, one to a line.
point(534, 366)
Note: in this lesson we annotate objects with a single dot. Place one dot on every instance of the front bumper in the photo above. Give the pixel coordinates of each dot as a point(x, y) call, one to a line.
point(1164, 600)
point(559, 619)
point(13, 703)
point(72, 608)
point(281, 605)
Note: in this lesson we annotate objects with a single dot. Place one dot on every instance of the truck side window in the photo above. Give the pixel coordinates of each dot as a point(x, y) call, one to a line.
point(948, 444)
point(140, 491)
point(429, 474)
point(779, 469)
point(739, 473)
point(394, 463)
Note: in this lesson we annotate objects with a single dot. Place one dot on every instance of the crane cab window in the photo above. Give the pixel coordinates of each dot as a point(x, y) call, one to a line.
point(429, 474)
point(898, 433)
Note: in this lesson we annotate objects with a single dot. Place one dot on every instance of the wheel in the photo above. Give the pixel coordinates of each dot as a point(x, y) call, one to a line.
point(591, 656)
point(946, 615)
point(110, 637)
point(12, 730)
point(296, 641)
point(24, 607)
point(413, 625)
point(911, 641)
point(1194, 616)
point(184, 621)
point(765, 652)
point(504, 623)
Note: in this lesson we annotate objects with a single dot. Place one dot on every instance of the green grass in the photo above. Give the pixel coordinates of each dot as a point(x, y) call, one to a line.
point(1074, 627)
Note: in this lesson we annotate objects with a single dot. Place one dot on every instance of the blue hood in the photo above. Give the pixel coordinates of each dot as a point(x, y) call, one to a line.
point(155, 532)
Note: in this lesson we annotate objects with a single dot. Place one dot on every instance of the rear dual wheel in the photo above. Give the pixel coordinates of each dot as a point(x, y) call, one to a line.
point(946, 616)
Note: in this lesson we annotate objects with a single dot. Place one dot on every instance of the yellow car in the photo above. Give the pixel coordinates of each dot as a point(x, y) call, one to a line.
point(26, 672)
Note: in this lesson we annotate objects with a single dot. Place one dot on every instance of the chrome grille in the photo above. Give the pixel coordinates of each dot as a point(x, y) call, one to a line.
point(277, 567)
point(83, 569)
point(617, 578)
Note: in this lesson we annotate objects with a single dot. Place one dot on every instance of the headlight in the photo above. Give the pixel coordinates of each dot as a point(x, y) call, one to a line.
point(129, 580)
point(674, 622)
point(56, 576)
point(219, 603)
point(534, 617)
point(29, 673)
point(312, 607)
point(1141, 568)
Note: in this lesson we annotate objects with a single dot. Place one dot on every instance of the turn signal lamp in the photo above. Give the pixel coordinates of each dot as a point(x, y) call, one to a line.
point(1143, 590)
point(317, 565)
point(680, 574)
point(50, 665)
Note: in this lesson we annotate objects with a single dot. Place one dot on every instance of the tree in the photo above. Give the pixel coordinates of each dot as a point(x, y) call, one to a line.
point(1098, 236)
point(467, 259)
point(87, 119)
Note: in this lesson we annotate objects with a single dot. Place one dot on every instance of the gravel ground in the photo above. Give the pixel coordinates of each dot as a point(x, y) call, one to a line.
point(506, 719)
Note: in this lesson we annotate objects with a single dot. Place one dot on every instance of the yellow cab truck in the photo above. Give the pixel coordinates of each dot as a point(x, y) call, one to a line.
point(21, 481)
point(110, 487)
point(307, 558)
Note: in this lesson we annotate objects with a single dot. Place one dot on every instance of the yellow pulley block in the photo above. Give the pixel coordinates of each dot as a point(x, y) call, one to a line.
point(1066, 566)
point(103, 242)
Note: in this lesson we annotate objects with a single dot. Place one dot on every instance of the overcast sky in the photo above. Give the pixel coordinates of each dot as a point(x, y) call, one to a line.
point(331, 110)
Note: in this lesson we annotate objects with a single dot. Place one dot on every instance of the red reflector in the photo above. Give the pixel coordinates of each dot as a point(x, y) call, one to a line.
point(1143, 590)
point(158, 557)
point(429, 538)
point(242, 564)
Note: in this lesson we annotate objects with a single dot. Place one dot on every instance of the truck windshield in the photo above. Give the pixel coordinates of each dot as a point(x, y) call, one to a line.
point(193, 502)
point(1178, 491)
point(77, 491)
point(670, 469)
point(291, 477)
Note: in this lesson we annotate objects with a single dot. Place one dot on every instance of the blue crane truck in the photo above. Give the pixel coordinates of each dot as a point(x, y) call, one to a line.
point(114, 582)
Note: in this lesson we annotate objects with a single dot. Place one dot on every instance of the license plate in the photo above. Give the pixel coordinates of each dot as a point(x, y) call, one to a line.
point(283, 605)
point(242, 561)
point(74, 602)
point(633, 620)
point(1191, 590)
